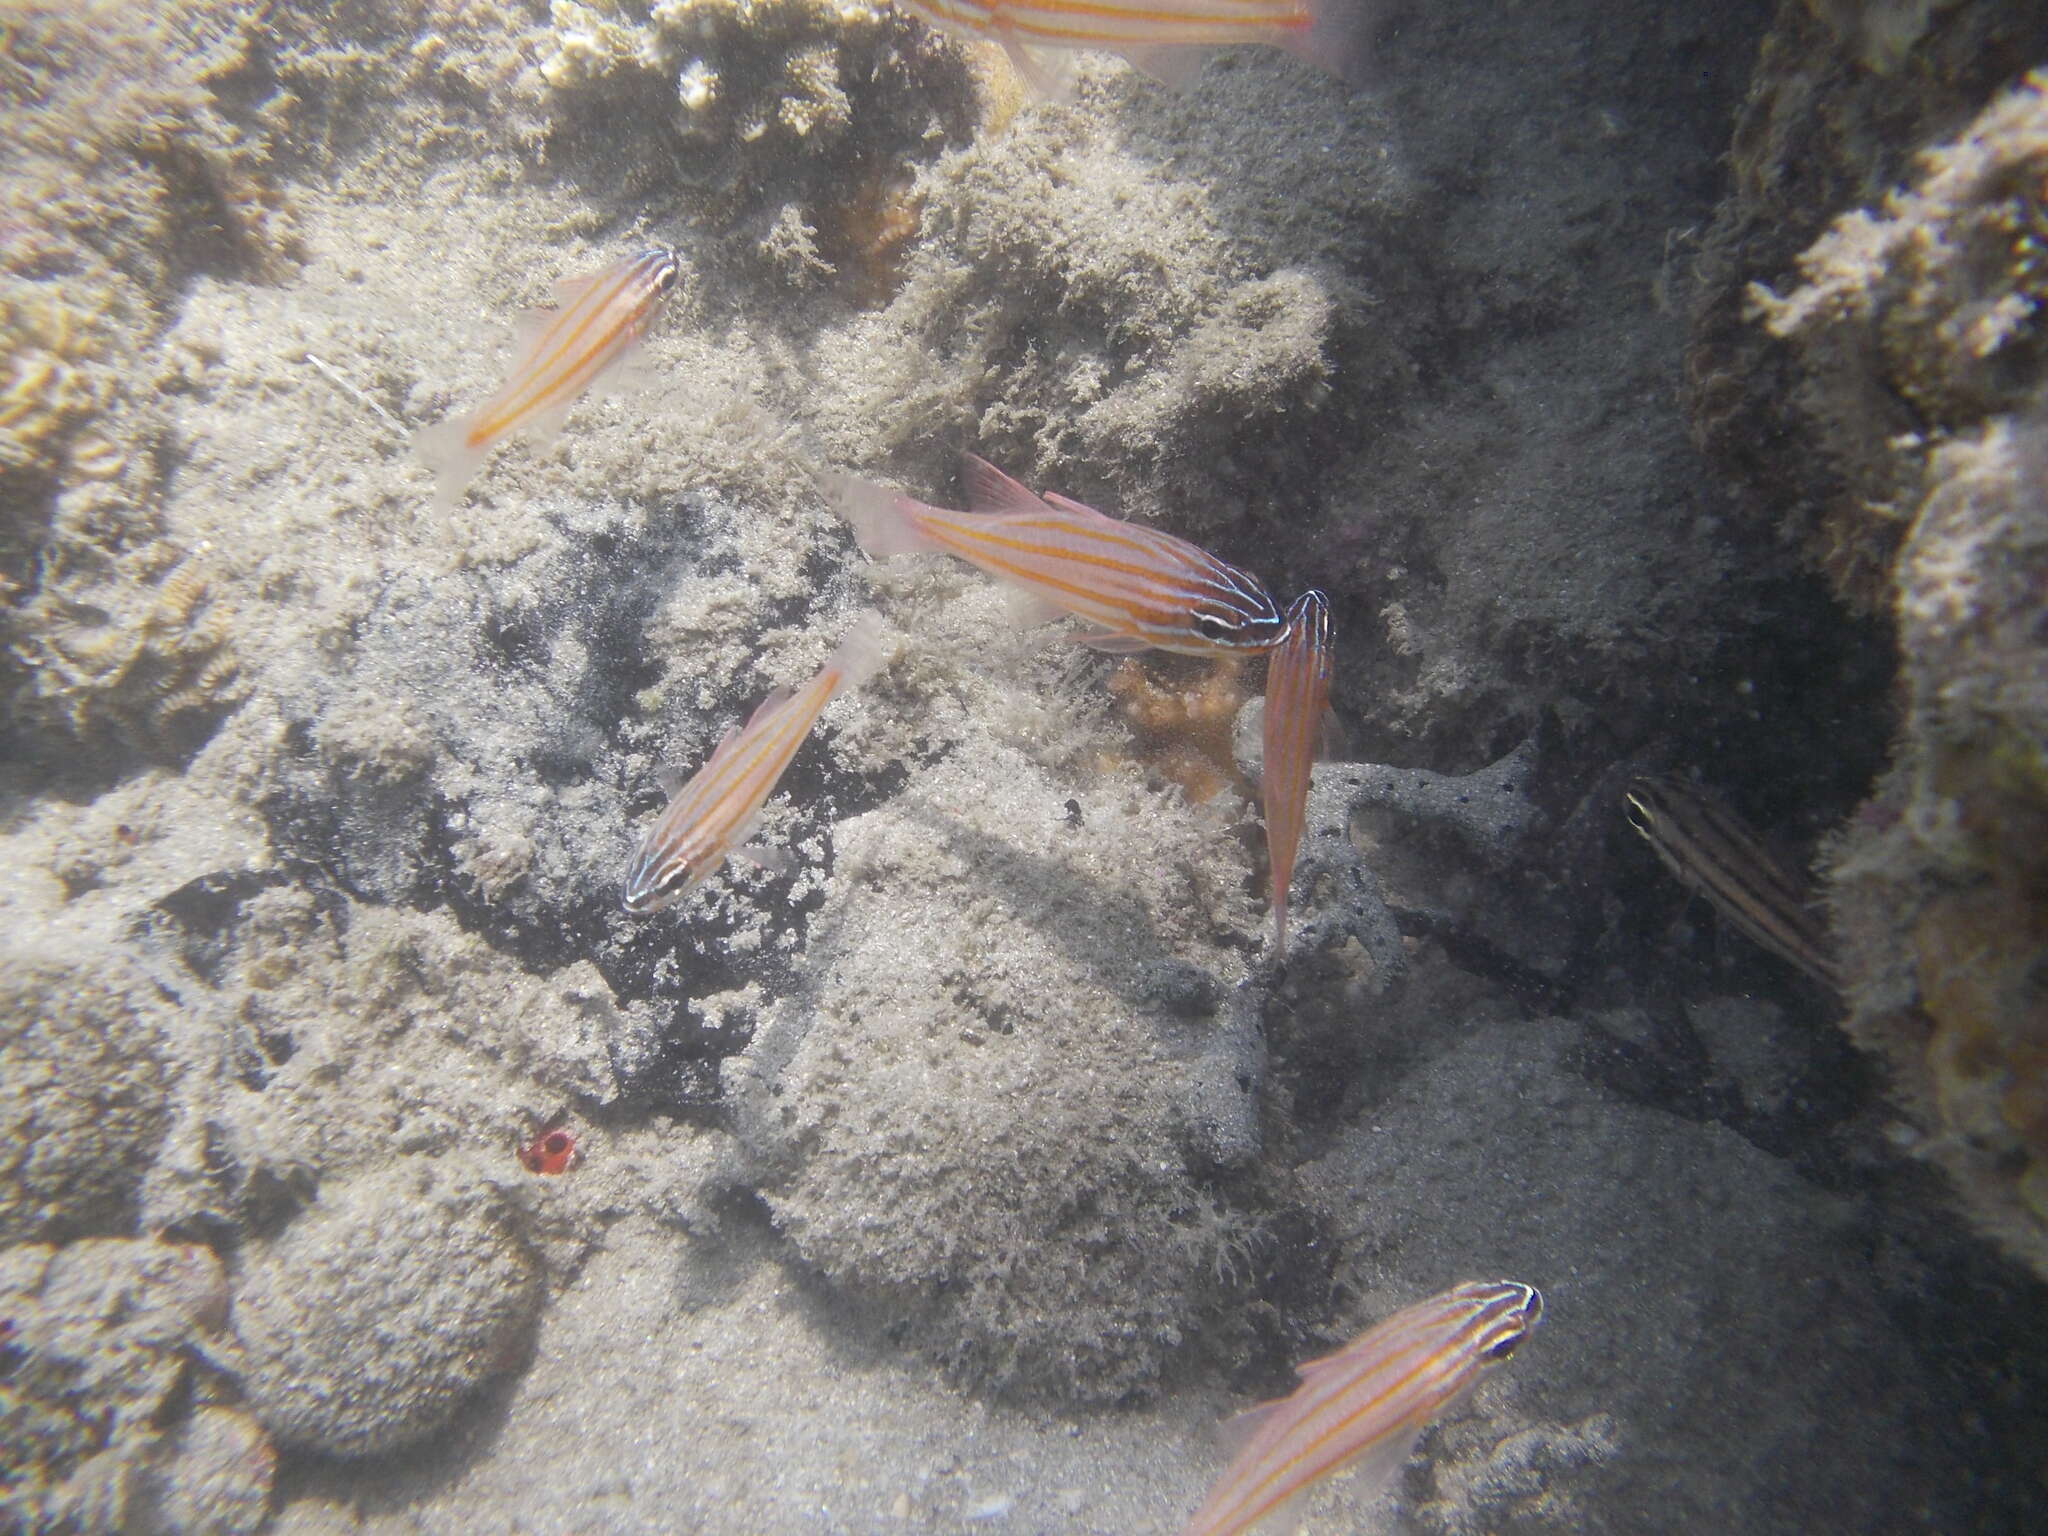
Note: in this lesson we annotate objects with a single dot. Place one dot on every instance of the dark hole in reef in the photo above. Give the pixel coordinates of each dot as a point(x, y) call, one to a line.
point(205, 910)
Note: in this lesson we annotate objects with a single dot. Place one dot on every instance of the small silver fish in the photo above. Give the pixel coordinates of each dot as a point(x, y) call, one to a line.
point(709, 817)
point(1713, 851)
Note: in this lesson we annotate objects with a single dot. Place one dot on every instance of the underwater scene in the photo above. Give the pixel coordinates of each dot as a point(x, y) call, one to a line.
point(1023, 766)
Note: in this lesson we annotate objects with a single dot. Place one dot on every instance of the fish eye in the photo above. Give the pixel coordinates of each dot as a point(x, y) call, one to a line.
point(1209, 627)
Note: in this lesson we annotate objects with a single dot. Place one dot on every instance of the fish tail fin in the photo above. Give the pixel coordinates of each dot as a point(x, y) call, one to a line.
point(445, 448)
point(882, 520)
point(1279, 918)
point(1339, 38)
point(863, 652)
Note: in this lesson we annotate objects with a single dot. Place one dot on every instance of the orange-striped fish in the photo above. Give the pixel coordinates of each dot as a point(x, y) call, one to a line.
point(710, 816)
point(1161, 37)
point(1367, 1405)
point(1713, 850)
point(1297, 697)
point(597, 321)
point(1142, 588)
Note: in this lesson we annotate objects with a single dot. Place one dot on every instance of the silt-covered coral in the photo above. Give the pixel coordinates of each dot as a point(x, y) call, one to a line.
point(1923, 361)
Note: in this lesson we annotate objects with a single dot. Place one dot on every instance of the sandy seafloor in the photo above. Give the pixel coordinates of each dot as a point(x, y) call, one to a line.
point(966, 1178)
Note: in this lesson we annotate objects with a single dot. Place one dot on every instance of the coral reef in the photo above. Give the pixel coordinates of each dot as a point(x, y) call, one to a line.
point(352, 1358)
point(1922, 370)
point(83, 1088)
point(828, 102)
point(1940, 885)
point(1843, 95)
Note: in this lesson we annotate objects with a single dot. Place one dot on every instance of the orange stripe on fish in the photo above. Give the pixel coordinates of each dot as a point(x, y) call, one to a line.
point(1367, 1404)
point(1144, 588)
point(599, 319)
point(1297, 696)
point(710, 816)
point(1327, 33)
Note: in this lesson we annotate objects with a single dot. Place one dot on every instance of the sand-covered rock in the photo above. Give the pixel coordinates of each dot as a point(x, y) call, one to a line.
point(367, 1321)
point(113, 1413)
point(984, 1052)
point(86, 1087)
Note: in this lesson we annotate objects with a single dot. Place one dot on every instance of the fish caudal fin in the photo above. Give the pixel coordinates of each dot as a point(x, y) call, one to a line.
point(446, 449)
point(1339, 38)
point(883, 521)
point(862, 653)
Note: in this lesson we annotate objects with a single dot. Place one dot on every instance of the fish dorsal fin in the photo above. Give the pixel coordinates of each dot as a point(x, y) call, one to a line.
point(767, 706)
point(1322, 1365)
point(1068, 504)
point(990, 490)
point(528, 327)
point(725, 744)
point(569, 289)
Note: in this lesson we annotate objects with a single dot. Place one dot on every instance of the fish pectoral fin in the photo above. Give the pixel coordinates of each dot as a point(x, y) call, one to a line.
point(1112, 644)
point(774, 861)
point(1027, 610)
point(445, 449)
point(1331, 743)
point(1048, 80)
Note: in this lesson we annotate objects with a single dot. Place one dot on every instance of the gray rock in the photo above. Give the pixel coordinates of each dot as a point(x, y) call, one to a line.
point(369, 1320)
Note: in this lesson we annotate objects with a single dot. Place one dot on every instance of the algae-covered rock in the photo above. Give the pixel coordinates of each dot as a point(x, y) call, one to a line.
point(103, 1356)
point(366, 1323)
point(1922, 366)
point(980, 1121)
point(83, 1092)
point(1940, 886)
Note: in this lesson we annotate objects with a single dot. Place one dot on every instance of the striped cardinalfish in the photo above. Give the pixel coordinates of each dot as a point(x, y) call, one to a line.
point(1142, 588)
point(1297, 697)
point(594, 326)
point(1165, 38)
point(1366, 1405)
point(1713, 851)
point(710, 816)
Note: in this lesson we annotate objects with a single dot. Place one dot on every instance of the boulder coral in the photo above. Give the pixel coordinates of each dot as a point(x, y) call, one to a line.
point(83, 1092)
point(350, 1358)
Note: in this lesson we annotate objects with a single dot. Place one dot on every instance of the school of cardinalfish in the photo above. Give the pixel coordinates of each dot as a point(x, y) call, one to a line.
point(1137, 589)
